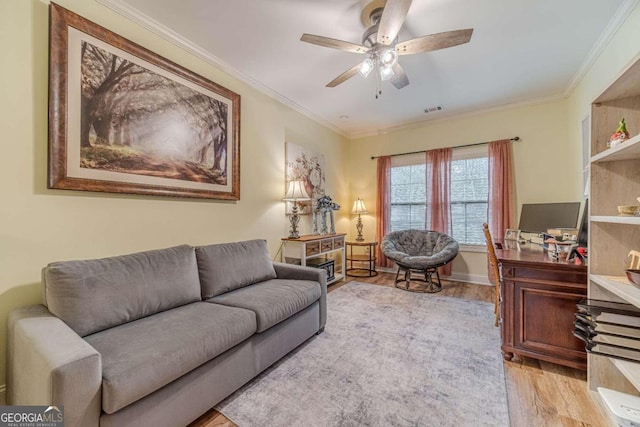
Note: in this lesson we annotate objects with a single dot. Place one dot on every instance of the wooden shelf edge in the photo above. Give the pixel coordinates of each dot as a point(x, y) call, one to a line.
point(630, 149)
point(616, 219)
point(618, 285)
point(630, 370)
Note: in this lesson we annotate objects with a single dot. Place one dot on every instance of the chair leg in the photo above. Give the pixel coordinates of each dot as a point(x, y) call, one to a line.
point(407, 278)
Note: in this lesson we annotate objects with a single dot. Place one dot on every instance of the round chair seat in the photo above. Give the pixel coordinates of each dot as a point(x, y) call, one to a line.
point(421, 251)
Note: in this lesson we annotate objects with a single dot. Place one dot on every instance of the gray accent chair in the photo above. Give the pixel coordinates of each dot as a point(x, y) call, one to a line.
point(158, 338)
point(420, 251)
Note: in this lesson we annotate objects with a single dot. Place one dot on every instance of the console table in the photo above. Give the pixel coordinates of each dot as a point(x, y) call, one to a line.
point(538, 306)
point(317, 246)
point(366, 256)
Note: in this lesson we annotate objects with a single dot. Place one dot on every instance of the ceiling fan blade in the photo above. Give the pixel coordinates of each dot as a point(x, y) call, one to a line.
point(393, 16)
point(333, 43)
point(344, 76)
point(399, 79)
point(434, 42)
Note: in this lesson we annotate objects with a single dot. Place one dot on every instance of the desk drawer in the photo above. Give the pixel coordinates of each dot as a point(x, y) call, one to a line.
point(327, 245)
point(313, 248)
point(338, 242)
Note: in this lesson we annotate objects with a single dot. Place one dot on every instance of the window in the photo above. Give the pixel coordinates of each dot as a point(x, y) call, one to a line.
point(469, 197)
point(469, 193)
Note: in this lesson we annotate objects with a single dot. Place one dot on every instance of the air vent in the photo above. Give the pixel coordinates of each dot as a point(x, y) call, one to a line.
point(433, 109)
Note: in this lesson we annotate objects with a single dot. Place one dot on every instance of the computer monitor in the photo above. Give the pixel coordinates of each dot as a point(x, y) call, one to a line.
point(583, 231)
point(539, 217)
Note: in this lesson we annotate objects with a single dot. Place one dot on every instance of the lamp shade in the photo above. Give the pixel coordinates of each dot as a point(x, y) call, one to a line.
point(359, 207)
point(296, 191)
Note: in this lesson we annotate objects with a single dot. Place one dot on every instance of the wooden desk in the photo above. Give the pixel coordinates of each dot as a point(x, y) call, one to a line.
point(538, 303)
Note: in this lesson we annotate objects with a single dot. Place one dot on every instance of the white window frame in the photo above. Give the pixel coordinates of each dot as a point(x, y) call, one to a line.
point(465, 153)
point(457, 154)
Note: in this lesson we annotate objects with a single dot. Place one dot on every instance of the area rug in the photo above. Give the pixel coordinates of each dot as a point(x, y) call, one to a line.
point(387, 358)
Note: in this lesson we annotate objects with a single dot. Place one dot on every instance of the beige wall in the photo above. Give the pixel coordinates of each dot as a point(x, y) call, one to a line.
point(543, 159)
point(621, 51)
point(38, 226)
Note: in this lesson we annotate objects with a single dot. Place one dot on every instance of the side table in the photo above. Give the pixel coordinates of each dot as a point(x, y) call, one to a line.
point(365, 255)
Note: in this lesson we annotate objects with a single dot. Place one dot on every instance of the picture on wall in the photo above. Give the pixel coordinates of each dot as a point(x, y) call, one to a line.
point(123, 119)
point(308, 166)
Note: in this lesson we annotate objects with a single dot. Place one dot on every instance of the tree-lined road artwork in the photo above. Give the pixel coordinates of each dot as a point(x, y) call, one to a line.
point(136, 121)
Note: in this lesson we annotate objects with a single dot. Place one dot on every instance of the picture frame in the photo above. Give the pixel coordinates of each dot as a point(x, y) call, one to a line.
point(512, 235)
point(308, 166)
point(123, 119)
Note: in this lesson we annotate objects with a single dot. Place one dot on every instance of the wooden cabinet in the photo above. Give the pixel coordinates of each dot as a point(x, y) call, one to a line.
point(615, 180)
point(538, 304)
point(317, 247)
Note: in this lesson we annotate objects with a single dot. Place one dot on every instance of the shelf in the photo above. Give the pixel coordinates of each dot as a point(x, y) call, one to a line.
point(616, 219)
point(628, 150)
point(336, 278)
point(361, 258)
point(630, 370)
point(618, 285)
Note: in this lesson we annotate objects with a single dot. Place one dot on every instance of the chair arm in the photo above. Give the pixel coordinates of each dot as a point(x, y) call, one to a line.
point(297, 272)
point(49, 364)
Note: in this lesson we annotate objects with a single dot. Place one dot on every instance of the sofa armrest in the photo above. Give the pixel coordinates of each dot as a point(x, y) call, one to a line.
point(297, 272)
point(49, 364)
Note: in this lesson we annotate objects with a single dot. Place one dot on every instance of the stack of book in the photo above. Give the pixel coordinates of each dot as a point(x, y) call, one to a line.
point(609, 328)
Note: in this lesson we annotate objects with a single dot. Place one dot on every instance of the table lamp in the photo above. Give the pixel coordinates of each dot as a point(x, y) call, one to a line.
point(359, 208)
point(295, 193)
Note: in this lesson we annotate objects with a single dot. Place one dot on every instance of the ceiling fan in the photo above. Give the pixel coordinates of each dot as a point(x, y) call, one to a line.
point(379, 42)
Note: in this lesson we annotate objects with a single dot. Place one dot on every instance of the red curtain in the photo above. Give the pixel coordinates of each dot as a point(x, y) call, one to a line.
point(383, 207)
point(501, 210)
point(438, 191)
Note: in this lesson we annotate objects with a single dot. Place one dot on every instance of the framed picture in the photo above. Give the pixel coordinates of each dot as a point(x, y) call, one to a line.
point(308, 166)
point(512, 234)
point(125, 120)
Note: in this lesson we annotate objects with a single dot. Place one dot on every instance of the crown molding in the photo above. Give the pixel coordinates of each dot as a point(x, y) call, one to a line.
point(609, 32)
point(457, 115)
point(173, 37)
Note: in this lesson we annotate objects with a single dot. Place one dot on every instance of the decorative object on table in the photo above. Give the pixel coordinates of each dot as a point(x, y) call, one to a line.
point(629, 210)
point(295, 193)
point(634, 276)
point(307, 166)
point(123, 119)
point(323, 206)
point(635, 259)
point(359, 208)
point(511, 234)
point(620, 135)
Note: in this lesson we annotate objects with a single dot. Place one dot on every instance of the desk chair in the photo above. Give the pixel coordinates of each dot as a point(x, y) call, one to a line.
point(494, 271)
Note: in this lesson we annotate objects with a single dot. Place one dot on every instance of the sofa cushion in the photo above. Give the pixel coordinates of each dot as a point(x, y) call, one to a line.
point(273, 300)
point(142, 356)
point(230, 266)
point(94, 295)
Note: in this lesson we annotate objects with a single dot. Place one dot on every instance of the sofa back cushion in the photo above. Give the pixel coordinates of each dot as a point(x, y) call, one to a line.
point(94, 295)
point(230, 266)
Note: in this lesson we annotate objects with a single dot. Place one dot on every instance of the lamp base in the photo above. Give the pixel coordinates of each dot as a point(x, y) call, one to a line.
point(359, 237)
point(294, 219)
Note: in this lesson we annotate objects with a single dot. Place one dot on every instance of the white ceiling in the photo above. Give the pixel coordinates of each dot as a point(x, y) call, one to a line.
point(521, 51)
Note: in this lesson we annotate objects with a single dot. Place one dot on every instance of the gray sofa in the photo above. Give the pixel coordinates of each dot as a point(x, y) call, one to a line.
point(158, 338)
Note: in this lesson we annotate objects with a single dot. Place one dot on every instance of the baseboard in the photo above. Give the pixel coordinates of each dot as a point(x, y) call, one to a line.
point(477, 279)
point(3, 394)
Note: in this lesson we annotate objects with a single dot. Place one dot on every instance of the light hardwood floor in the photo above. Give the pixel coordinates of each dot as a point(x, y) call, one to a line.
point(539, 393)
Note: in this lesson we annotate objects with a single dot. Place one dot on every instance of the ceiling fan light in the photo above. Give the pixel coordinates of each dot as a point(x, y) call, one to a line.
point(389, 57)
point(365, 67)
point(386, 73)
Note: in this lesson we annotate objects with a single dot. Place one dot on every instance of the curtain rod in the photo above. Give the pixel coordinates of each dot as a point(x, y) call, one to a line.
point(515, 138)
